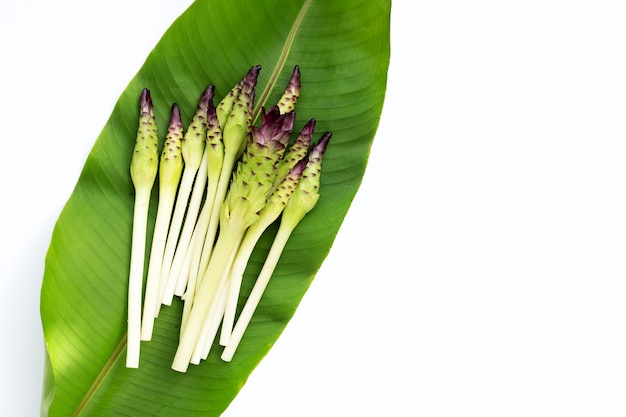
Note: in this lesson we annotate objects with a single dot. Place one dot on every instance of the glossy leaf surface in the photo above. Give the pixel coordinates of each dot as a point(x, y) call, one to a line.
point(342, 49)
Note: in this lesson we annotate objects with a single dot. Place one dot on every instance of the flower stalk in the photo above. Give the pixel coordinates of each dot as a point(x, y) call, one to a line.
point(235, 119)
point(247, 195)
point(143, 169)
point(287, 101)
point(170, 171)
point(186, 282)
point(193, 154)
point(176, 277)
point(272, 210)
point(302, 201)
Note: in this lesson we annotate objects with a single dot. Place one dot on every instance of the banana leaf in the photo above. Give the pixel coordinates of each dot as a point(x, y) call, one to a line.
point(342, 49)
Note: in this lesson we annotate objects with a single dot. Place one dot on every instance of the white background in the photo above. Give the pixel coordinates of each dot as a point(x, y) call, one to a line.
point(481, 268)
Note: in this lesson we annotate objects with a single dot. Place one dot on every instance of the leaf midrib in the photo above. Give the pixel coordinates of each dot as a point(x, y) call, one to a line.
point(280, 64)
point(98, 381)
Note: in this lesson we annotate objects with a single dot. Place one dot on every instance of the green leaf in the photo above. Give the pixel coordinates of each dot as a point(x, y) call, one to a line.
point(342, 49)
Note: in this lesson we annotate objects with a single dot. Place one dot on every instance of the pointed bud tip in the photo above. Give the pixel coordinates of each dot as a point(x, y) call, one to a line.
point(206, 97)
point(208, 92)
point(175, 118)
point(320, 147)
point(145, 101)
point(295, 76)
point(308, 128)
point(252, 75)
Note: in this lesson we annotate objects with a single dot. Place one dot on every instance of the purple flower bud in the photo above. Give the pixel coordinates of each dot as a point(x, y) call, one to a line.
point(206, 98)
point(318, 150)
point(145, 102)
point(275, 127)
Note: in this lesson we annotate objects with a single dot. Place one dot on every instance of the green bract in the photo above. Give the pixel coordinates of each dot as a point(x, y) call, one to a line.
point(145, 159)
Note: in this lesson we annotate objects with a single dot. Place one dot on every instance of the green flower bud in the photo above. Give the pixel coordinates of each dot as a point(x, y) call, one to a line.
point(145, 160)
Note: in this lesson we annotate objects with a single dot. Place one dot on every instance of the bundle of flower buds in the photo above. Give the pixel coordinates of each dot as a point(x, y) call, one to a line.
point(222, 183)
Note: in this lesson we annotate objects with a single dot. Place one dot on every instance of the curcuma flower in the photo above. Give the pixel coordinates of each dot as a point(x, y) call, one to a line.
point(254, 178)
point(170, 171)
point(270, 212)
point(233, 114)
point(306, 195)
point(296, 152)
point(275, 127)
point(302, 200)
point(235, 125)
point(143, 170)
point(289, 98)
point(145, 161)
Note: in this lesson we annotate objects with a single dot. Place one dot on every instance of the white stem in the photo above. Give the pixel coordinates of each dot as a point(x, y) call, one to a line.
point(187, 299)
point(192, 266)
point(197, 195)
point(230, 307)
point(227, 242)
point(164, 212)
point(211, 324)
point(186, 183)
point(135, 282)
point(184, 275)
point(192, 262)
point(235, 278)
point(284, 231)
point(220, 194)
point(214, 316)
point(192, 258)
